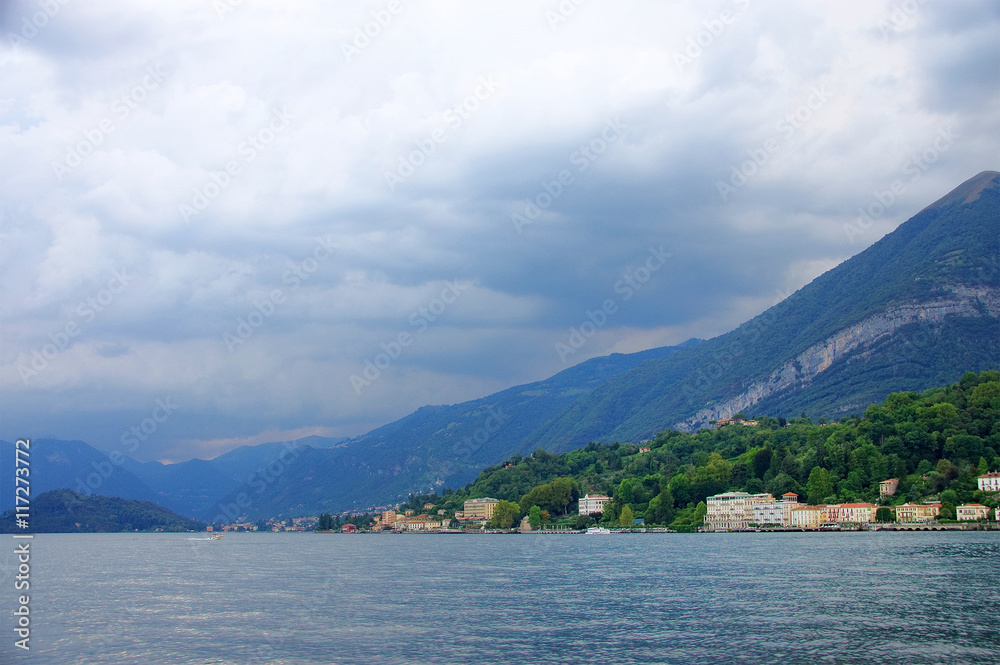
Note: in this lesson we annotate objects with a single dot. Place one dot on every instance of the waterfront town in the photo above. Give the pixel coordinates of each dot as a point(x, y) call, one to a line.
point(730, 511)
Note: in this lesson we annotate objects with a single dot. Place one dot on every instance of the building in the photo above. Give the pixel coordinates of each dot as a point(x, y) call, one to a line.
point(775, 513)
point(732, 510)
point(592, 504)
point(831, 513)
point(480, 509)
point(888, 487)
point(388, 518)
point(418, 523)
point(807, 517)
point(990, 482)
point(348, 528)
point(913, 513)
point(857, 513)
point(972, 511)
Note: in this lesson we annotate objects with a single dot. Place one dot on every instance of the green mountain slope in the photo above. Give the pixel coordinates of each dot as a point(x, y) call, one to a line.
point(935, 442)
point(66, 511)
point(834, 344)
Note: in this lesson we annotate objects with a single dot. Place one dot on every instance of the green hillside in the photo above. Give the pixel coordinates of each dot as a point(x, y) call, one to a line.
point(936, 442)
point(66, 511)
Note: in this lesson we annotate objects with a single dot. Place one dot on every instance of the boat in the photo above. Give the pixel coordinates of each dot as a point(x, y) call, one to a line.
point(598, 531)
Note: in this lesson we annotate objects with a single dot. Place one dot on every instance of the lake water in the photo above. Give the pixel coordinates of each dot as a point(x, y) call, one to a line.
point(306, 599)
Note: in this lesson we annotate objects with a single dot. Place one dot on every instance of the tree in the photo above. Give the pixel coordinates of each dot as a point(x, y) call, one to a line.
point(535, 517)
point(819, 486)
point(661, 508)
point(583, 521)
point(761, 462)
point(554, 496)
point(883, 514)
point(505, 515)
point(699, 513)
point(625, 519)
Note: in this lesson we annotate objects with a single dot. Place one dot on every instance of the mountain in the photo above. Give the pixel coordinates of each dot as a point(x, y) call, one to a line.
point(433, 447)
point(66, 511)
point(934, 443)
point(72, 465)
point(194, 487)
point(917, 308)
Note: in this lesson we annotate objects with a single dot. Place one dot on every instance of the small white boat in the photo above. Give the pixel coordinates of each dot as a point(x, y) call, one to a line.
point(598, 531)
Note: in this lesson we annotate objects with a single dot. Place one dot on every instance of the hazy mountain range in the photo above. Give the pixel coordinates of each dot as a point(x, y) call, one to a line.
point(916, 309)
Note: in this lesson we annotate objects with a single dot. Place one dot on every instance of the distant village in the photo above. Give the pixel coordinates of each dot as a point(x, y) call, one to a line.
point(740, 511)
point(730, 511)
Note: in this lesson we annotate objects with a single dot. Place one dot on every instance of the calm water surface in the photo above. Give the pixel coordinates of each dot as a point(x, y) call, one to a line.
point(358, 599)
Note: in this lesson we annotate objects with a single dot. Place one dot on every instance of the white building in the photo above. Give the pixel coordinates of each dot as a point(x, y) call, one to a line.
point(972, 511)
point(592, 504)
point(990, 482)
point(732, 510)
point(775, 513)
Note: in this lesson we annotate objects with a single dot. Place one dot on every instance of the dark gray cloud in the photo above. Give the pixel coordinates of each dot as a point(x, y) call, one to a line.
point(240, 211)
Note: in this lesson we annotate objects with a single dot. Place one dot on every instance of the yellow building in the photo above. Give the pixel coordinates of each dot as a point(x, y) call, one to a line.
point(911, 513)
point(807, 516)
point(480, 509)
point(857, 513)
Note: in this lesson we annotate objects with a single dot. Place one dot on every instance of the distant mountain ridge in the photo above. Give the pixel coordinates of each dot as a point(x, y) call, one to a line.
point(917, 309)
point(434, 446)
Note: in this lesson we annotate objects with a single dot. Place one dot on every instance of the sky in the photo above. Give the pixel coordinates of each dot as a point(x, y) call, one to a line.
point(228, 222)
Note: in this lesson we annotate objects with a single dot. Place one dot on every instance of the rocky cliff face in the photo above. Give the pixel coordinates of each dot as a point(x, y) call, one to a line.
point(964, 300)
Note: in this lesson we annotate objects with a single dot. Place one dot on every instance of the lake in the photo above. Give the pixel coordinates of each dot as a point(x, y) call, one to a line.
point(303, 599)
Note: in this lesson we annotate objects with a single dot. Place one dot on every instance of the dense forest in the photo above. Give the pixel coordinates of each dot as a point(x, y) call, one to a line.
point(66, 511)
point(935, 442)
